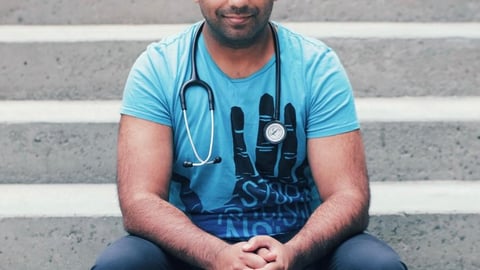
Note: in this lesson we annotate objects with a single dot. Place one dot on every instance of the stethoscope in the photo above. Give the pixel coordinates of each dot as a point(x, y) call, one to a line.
point(274, 131)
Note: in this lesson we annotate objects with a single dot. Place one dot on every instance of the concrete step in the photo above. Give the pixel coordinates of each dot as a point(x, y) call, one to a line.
point(406, 138)
point(433, 225)
point(58, 207)
point(382, 59)
point(100, 200)
point(165, 11)
point(424, 241)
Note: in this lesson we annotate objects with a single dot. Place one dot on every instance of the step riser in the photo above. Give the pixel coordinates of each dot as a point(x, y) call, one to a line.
point(423, 241)
point(165, 11)
point(57, 153)
point(378, 10)
point(385, 67)
point(399, 151)
point(66, 71)
point(416, 67)
point(85, 153)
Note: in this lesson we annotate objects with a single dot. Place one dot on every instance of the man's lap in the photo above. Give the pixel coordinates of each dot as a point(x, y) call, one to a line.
point(362, 251)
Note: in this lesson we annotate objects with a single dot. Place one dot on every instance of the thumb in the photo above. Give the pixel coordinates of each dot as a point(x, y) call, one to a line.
point(255, 243)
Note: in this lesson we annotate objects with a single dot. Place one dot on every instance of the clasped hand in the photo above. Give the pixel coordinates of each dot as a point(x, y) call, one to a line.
point(260, 253)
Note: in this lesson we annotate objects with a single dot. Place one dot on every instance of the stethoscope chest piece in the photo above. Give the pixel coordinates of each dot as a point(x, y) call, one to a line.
point(275, 132)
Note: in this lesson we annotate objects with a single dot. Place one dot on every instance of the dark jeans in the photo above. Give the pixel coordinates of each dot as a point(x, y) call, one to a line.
point(361, 252)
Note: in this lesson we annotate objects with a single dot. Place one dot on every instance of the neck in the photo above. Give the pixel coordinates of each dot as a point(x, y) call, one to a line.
point(240, 61)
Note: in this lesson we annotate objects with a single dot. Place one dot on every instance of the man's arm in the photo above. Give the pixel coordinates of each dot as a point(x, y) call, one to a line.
point(144, 168)
point(339, 170)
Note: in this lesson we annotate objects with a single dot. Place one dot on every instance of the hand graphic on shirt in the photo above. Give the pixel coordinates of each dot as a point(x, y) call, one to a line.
point(252, 190)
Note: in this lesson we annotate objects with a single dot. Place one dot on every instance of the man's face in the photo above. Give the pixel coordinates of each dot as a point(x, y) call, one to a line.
point(236, 23)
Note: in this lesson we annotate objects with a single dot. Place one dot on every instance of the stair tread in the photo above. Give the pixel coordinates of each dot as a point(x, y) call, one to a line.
point(150, 32)
point(97, 200)
point(406, 109)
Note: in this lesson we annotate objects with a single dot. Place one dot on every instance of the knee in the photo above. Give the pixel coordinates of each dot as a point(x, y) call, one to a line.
point(382, 263)
point(131, 253)
point(370, 263)
point(366, 252)
point(130, 261)
point(113, 262)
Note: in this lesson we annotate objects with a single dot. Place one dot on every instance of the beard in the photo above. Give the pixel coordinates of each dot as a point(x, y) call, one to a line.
point(238, 27)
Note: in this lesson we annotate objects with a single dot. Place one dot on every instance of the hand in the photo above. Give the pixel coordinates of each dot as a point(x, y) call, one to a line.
point(267, 158)
point(278, 255)
point(234, 257)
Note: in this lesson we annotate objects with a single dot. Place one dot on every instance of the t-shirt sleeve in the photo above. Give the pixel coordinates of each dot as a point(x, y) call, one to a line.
point(332, 108)
point(143, 95)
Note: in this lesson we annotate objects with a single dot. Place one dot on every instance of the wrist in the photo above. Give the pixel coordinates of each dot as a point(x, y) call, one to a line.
point(212, 254)
point(297, 253)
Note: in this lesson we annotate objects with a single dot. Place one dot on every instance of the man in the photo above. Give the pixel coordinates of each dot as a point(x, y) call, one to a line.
point(293, 195)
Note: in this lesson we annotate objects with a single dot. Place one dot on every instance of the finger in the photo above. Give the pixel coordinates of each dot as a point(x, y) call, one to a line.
point(267, 255)
point(263, 245)
point(288, 156)
point(266, 152)
point(243, 165)
point(252, 245)
point(254, 260)
point(271, 266)
point(257, 242)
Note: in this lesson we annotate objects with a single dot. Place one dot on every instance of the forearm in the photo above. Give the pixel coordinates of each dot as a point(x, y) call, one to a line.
point(146, 216)
point(143, 175)
point(340, 174)
point(342, 215)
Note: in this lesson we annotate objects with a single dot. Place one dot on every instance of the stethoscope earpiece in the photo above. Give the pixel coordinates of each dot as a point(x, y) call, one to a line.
point(274, 131)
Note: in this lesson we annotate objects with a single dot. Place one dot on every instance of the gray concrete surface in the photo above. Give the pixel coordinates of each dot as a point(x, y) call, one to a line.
point(425, 242)
point(414, 67)
point(85, 153)
point(74, 153)
point(55, 243)
point(422, 151)
point(66, 71)
point(57, 153)
point(377, 67)
point(165, 11)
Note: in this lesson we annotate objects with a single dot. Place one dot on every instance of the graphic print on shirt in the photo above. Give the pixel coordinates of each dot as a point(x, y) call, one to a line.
point(262, 201)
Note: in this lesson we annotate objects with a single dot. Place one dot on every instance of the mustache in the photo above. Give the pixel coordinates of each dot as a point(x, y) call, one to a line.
point(244, 10)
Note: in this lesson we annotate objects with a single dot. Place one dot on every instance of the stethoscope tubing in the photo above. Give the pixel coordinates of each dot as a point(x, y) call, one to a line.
point(278, 85)
point(189, 135)
point(196, 81)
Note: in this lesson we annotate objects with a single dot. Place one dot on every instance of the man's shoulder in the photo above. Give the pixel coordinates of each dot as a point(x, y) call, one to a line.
point(170, 53)
point(299, 43)
point(179, 41)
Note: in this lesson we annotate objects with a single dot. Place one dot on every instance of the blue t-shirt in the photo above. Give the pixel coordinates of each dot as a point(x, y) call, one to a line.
point(258, 188)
